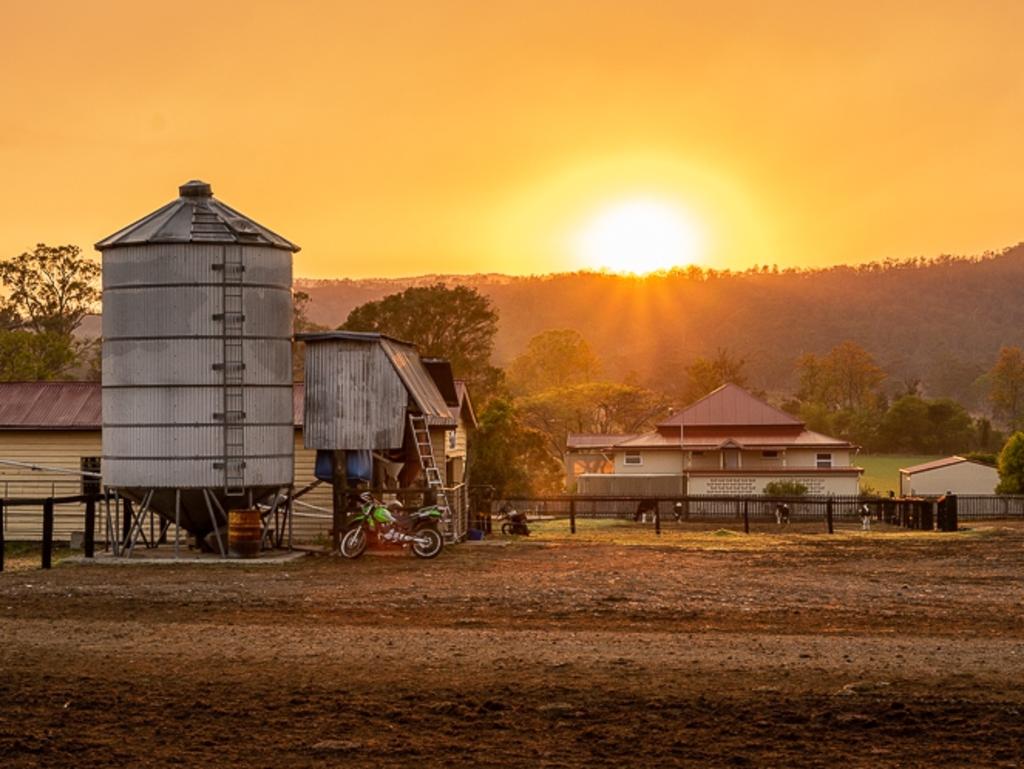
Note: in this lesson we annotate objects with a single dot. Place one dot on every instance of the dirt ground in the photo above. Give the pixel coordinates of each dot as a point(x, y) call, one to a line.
point(613, 648)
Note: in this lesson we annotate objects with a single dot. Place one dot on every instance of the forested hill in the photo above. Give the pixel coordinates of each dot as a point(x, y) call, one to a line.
point(941, 321)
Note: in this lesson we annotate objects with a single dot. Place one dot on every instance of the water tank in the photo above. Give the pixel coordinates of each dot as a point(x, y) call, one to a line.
point(197, 366)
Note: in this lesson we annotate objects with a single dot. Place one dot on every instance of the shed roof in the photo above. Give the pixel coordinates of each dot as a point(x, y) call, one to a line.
point(935, 464)
point(50, 406)
point(195, 217)
point(731, 406)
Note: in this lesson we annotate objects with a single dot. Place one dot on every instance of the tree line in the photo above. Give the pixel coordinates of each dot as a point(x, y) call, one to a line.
point(559, 382)
point(46, 294)
point(559, 385)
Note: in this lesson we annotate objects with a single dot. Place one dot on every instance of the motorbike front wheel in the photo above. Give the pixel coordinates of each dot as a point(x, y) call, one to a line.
point(427, 543)
point(507, 529)
point(353, 542)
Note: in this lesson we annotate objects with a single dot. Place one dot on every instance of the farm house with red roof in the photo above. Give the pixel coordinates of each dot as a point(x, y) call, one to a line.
point(727, 443)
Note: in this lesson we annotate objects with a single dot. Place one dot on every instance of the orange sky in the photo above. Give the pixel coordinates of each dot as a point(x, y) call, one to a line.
point(397, 138)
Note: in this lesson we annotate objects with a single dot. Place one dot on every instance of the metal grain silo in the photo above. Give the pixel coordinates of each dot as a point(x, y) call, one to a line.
point(197, 373)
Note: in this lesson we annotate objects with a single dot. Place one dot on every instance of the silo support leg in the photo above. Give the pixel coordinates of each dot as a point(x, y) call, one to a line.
point(177, 522)
point(135, 530)
point(213, 520)
point(268, 515)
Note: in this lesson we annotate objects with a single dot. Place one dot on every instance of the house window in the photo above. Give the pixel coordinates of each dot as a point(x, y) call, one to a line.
point(824, 460)
point(633, 458)
point(770, 454)
point(90, 484)
point(452, 440)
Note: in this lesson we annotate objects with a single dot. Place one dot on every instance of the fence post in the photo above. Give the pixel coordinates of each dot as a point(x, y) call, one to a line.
point(90, 527)
point(657, 517)
point(572, 515)
point(47, 532)
point(828, 515)
point(746, 517)
point(951, 513)
point(3, 545)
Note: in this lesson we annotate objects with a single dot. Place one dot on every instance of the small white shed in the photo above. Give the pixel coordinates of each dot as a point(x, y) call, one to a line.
point(955, 474)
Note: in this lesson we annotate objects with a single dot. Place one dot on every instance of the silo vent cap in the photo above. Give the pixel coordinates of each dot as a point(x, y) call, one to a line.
point(195, 189)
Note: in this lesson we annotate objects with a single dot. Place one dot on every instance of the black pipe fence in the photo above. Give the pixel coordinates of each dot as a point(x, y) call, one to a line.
point(941, 514)
point(48, 506)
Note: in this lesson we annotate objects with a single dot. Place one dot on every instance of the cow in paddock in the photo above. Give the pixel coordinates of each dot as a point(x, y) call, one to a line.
point(645, 508)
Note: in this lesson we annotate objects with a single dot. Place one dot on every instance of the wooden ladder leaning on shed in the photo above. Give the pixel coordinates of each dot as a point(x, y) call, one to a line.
point(425, 450)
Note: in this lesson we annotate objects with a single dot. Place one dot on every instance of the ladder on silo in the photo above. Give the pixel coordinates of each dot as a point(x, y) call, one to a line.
point(232, 369)
point(425, 451)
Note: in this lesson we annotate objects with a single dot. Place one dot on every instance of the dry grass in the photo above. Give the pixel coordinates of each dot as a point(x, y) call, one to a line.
point(728, 538)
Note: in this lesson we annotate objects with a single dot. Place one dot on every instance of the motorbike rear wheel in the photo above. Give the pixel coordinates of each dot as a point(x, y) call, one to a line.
point(427, 543)
point(353, 542)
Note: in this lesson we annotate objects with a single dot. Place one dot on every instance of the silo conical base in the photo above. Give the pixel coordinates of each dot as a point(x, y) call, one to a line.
point(194, 515)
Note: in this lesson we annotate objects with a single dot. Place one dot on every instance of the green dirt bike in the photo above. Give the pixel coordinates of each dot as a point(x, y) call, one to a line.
point(420, 529)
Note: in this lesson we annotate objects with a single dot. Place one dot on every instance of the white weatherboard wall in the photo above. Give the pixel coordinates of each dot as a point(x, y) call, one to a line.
point(961, 478)
point(62, 449)
point(651, 463)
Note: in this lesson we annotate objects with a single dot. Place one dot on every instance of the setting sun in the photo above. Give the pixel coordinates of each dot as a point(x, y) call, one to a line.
point(639, 236)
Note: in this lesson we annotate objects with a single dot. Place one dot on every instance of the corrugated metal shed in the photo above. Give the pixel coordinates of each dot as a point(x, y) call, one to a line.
point(406, 361)
point(195, 217)
point(360, 387)
point(50, 406)
point(731, 405)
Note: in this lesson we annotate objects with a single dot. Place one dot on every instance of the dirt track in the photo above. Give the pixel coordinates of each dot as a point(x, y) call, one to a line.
point(693, 651)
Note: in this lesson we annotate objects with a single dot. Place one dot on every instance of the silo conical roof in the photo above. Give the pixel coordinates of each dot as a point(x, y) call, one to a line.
point(195, 217)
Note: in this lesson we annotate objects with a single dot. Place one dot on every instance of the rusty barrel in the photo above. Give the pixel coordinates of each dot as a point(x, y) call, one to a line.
point(245, 532)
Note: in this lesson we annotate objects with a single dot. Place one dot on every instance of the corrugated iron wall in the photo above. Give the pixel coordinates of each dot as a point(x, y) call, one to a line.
point(354, 398)
point(161, 390)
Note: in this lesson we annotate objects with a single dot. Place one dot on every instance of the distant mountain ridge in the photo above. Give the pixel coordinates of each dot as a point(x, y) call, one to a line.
point(940, 321)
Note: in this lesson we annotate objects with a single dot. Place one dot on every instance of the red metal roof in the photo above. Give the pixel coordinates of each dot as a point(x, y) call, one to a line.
point(731, 405)
point(50, 406)
point(70, 405)
point(739, 439)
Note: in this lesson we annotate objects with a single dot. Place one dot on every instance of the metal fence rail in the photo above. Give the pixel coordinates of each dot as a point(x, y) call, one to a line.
point(989, 507)
point(24, 523)
point(914, 513)
point(693, 507)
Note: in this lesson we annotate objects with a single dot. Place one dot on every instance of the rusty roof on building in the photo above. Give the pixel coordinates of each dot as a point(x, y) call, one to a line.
point(731, 406)
point(195, 217)
point(71, 405)
point(51, 406)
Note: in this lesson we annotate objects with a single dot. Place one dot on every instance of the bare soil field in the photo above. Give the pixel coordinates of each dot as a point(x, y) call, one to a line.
point(610, 648)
